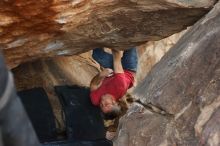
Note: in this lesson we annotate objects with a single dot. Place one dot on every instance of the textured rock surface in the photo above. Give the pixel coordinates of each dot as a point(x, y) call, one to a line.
point(184, 86)
point(141, 127)
point(56, 71)
point(31, 29)
point(151, 52)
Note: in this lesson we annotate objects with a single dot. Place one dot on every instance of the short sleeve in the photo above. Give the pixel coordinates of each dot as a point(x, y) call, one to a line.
point(94, 98)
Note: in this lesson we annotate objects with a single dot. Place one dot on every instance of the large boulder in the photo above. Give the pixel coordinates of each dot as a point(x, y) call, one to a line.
point(31, 29)
point(181, 92)
point(151, 52)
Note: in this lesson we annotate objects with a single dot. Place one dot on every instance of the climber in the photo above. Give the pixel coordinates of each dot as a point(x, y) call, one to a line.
point(112, 83)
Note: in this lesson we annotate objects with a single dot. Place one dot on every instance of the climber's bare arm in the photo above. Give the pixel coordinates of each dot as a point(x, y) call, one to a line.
point(97, 80)
point(117, 55)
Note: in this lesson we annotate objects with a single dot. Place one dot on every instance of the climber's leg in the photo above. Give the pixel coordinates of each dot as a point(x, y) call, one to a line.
point(103, 58)
point(130, 60)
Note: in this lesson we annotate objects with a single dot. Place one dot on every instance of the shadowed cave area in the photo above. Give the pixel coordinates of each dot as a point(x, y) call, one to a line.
point(46, 73)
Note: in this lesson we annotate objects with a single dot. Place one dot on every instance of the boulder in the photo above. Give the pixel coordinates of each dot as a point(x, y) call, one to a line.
point(183, 88)
point(31, 29)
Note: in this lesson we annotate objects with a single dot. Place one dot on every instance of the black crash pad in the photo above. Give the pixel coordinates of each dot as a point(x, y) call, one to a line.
point(39, 111)
point(81, 143)
point(83, 120)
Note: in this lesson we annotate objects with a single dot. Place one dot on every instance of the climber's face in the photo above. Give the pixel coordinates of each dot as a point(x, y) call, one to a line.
point(107, 102)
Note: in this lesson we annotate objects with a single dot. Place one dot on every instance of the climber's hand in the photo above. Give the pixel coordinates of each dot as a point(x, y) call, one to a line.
point(110, 135)
point(106, 72)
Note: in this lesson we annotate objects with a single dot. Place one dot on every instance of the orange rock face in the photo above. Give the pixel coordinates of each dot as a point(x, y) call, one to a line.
point(32, 29)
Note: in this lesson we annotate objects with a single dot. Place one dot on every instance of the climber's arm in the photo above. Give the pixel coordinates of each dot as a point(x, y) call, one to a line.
point(117, 55)
point(97, 80)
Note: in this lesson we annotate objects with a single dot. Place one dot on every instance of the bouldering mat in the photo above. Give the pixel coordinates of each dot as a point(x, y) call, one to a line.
point(83, 120)
point(39, 111)
point(81, 143)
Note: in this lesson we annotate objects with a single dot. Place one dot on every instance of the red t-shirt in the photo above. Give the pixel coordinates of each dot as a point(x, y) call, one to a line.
point(116, 85)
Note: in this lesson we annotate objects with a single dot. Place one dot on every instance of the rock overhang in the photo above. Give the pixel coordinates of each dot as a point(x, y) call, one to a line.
point(35, 29)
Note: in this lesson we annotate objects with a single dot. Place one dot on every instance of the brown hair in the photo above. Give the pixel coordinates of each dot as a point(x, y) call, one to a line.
point(114, 113)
